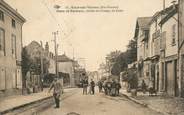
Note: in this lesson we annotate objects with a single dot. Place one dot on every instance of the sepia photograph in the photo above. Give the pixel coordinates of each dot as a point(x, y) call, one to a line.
point(91, 57)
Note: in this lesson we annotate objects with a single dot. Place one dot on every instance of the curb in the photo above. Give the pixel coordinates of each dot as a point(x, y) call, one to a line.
point(135, 101)
point(144, 104)
point(24, 105)
point(39, 104)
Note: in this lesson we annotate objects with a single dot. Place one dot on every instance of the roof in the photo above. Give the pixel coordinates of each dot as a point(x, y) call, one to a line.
point(63, 58)
point(13, 11)
point(162, 12)
point(169, 15)
point(142, 23)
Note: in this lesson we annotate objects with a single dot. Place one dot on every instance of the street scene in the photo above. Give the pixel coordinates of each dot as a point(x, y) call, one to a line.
point(92, 57)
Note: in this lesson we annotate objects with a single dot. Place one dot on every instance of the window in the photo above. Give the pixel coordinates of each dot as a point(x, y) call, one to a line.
point(163, 41)
point(13, 23)
point(173, 34)
point(2, 42)
point(13, 45)
point(1, 15)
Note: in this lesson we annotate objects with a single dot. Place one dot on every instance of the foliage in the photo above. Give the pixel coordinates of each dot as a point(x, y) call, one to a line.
point(125, 58)
point(25, 62)
point(33, 64)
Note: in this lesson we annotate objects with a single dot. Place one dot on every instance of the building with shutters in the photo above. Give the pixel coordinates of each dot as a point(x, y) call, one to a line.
point(142, 36)
point(11, 23)
point(157, 50)
point(169, 79)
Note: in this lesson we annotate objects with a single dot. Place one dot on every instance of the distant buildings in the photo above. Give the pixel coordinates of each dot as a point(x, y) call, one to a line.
point(66, 70)
point(93, 76)
point(11, 23)
point(103, 71)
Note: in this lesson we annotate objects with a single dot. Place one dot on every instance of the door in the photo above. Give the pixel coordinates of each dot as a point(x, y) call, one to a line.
point(176, 79)
point(18, 79)
point(170, 78)
point(14, 80)
point(2, 79)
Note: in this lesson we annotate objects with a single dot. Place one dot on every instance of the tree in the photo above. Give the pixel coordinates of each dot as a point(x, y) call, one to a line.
point(25, 64)
point(25, 61)
point(125, 58)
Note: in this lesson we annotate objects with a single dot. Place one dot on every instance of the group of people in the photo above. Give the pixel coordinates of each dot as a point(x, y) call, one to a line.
point(110, 87)
point(150, 88)
point(91, 85)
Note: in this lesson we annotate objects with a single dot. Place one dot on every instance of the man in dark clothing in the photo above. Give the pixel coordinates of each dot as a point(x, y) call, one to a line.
point(85, 85)
point(143, 86)
point(100, 85)
point(92, 84)
point(56, 85)
point(113, 88)
point(118, 87)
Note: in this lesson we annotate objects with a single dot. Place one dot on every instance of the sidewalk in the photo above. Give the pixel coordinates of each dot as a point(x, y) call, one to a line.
point(18, 101)
point(165, 105)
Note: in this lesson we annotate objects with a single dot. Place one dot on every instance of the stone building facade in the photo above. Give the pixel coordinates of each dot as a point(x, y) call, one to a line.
point(11, 23)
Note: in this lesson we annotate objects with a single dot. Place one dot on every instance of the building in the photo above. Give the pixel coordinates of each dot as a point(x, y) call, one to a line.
point(157, 51)
point(142, 35)
point(11, 23)
point(93, 75)
point(66, 70)
point(169, 81)
point(79, 76)
point(50, 56)
point(154, 49)
point(181, 47)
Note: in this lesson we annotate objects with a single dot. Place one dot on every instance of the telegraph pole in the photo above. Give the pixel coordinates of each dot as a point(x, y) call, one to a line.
point(163, 4)
point(41, 64)
point(56, 52)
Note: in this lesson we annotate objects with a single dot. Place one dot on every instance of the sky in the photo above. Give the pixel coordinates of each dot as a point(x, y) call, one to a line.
point(83, 35)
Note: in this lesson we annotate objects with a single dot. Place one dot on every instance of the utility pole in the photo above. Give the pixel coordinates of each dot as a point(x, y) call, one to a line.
point(56, 52)
point(41, 64)
point(163, 4)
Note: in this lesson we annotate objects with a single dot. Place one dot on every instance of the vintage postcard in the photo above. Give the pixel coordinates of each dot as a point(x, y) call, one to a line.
point(91, 57)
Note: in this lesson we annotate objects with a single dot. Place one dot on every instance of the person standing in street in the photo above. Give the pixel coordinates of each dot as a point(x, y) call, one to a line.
point(100, 85)
point(118, 87)
point(85, 86)
point(92, 84)
point(57, 88)
point(113, 88)
point(143, 86)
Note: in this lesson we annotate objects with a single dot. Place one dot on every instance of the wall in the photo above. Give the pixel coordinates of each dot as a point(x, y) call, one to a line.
point(67, 67)
point(181, 51)
point(11, 74)
point(171, 49)
point(52, 66)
